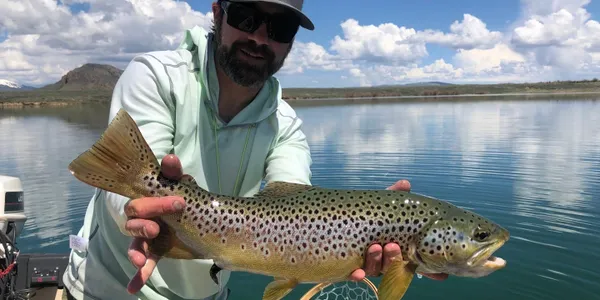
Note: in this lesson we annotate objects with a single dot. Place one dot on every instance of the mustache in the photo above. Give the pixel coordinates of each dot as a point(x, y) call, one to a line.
point(251, 46)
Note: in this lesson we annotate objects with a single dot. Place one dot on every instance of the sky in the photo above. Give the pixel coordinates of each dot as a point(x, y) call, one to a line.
point(355, 43)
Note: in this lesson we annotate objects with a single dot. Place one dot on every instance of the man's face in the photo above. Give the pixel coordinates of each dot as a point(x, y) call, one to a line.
point(249, 58)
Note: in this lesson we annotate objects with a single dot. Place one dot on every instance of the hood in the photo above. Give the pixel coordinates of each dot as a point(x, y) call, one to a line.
point(263, 105)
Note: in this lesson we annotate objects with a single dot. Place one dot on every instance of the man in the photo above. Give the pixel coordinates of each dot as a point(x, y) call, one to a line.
point(211, 109)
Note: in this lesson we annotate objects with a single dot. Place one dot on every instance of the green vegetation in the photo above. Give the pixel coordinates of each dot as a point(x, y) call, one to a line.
point(445, 90)
point(51, 98)
point(41, 97)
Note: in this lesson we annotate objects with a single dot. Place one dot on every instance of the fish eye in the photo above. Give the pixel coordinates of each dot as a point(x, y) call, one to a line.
point(481, 236)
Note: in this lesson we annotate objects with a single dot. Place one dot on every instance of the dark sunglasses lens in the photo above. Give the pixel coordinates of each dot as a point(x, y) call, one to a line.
point(283, 28)
point(242, 18)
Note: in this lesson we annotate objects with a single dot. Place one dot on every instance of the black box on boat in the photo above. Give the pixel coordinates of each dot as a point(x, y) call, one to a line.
point(38, 270)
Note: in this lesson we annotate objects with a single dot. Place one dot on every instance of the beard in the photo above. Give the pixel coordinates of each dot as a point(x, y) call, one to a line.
point(242, 72)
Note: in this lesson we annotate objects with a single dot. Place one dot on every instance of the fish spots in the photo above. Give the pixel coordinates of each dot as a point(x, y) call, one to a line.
point(315, 225)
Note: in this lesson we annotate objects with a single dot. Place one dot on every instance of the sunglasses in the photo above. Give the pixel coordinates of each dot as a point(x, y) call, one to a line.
point(281, 27)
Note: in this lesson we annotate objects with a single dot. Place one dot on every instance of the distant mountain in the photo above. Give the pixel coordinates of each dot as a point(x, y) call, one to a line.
point(6, 85)
point(429, 83)
point(426, 83)
point(87, 77)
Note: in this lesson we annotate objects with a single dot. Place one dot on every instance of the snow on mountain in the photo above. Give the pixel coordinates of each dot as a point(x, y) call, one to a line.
point(7, 85)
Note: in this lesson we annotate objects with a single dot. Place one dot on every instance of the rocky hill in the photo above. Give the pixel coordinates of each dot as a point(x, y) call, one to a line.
point(87, 77)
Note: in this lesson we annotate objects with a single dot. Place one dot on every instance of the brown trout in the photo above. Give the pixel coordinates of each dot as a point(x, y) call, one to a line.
point(292, 232)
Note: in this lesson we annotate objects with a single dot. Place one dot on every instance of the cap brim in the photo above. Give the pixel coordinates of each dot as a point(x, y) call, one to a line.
point(305, 22)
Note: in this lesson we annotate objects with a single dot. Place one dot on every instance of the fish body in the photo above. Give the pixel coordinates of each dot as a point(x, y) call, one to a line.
point(293, 232)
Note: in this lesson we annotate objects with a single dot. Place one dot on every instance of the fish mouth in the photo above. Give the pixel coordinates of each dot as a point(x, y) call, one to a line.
point(484, 258)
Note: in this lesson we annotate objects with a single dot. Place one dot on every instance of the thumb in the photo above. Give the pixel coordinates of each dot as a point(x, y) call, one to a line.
point(400, 185)
point(171, 167)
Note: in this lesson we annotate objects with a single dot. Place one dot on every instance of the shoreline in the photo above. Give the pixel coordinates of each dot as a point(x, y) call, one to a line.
point(41, 99)
point(22, 104)
point(441, 96)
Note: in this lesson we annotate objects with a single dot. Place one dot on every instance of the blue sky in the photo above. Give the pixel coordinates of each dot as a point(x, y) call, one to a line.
point(493, 41)
point(420, 15)
point(327, 15)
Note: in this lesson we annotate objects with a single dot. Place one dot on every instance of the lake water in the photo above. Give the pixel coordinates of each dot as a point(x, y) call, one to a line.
point(532, 166)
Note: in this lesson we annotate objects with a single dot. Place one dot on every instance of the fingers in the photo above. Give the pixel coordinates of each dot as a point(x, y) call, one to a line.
point(145, 264)
point(378, 260)
point(391, 251)
point(142, 228)
point(400, 185)
point(373, 260)
point(138, 210)
point(171, 167)
point(153, 207)
point(137, 252)
point(142, 275)
point(357, 275)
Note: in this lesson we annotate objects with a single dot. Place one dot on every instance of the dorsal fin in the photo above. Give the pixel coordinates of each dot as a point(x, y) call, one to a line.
point(276, 189)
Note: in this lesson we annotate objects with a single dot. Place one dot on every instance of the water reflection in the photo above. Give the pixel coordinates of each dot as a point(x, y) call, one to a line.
point(549, 149)
point(532, 166)
point(37, 146)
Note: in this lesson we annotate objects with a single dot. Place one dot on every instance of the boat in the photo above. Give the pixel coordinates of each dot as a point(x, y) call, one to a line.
point(36, 276)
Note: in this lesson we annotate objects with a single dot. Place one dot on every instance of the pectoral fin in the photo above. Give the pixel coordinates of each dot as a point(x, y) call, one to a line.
point(167, 244)
point(278, 288)
point(396, 280)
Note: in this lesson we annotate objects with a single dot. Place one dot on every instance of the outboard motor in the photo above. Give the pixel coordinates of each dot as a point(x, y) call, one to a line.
point(12, 208)
point(12, 220)
point(24, 275)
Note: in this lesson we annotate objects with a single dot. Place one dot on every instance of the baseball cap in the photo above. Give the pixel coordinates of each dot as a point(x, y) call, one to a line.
point(294, 5)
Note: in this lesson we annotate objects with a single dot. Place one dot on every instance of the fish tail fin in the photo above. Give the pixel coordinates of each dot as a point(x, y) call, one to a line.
point(119, 161)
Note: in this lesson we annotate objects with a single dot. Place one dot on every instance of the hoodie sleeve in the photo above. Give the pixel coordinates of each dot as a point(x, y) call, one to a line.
point(289, 159)
point(140, 92)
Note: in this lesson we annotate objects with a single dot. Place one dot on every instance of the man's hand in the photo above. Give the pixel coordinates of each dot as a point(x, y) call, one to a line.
point(379, 258)
point(141, 226)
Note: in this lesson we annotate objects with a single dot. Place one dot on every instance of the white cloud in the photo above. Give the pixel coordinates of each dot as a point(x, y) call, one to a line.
point(310, 55)
point(558, 34)
point(546, 7)
point(554, 29)
point(478, 60)
point(470, 33)
point(382, 74)
point(384, 43)
point(551, 39)
point(46, 39)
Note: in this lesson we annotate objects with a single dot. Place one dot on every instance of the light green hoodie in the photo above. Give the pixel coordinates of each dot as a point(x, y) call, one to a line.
point(173, 97)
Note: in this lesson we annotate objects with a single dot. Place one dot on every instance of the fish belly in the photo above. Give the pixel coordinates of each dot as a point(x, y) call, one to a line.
point(271, 252)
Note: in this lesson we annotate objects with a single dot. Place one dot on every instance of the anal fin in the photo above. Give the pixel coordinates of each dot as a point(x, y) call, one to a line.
point(167, 244)
point(396, 280)
point(278, 288)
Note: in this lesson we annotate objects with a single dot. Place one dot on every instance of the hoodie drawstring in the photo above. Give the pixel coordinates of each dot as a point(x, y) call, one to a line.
point(237, 179)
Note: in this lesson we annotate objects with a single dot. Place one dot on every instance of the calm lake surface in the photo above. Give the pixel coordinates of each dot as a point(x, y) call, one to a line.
point(532, 166)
